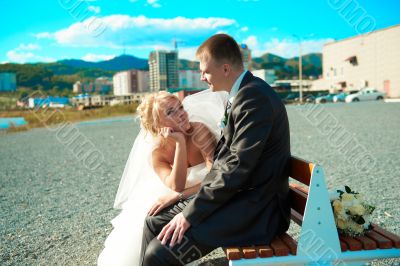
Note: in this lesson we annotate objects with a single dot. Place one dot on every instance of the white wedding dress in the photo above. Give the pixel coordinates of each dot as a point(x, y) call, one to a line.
point(140, 187)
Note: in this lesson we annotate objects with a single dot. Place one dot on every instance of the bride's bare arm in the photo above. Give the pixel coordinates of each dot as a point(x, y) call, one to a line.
point(174, 177)
point(173, 197)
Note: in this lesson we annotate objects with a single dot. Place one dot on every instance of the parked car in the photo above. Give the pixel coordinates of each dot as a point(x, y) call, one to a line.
point(325, 98)
point(292, 97)
point(309, 98)
point(342, 96)
point(367, 94)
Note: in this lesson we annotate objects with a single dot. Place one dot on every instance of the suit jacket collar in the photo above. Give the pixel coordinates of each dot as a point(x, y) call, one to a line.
point(246, 79)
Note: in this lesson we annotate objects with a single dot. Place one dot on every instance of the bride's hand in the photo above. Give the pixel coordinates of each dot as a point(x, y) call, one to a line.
point(163, 202)
point(167, 132)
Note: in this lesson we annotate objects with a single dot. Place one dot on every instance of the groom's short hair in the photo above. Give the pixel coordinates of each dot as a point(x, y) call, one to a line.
point(222, 48)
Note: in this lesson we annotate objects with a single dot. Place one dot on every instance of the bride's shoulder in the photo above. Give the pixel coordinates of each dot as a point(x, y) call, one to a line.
point(159, 153)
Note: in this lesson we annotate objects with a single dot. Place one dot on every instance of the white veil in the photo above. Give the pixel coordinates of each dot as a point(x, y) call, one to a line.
point(138, 177)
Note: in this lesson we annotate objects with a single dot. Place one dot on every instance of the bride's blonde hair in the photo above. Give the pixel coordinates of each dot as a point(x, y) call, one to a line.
point(149, 110)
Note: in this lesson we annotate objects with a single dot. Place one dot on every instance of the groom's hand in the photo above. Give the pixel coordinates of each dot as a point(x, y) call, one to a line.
point(176, 228)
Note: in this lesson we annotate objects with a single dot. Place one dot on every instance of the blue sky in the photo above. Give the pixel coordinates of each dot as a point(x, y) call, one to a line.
point(93, 30)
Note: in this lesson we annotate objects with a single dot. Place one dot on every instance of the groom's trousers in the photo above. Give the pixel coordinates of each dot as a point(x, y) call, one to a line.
point(153, 253)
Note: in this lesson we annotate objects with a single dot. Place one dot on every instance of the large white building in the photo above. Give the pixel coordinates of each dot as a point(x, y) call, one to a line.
point(191, 79)
point(268, 75)
point(163, 70)
point(369, 60)
point(102, 84)
point(8, 81)
point(130, 82)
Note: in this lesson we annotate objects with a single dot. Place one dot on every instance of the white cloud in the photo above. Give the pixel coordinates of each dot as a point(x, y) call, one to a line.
point(251, 42)
point(27, 47)
point(24, 53)
point(154, 3)
point(290, 48)
point(244, 28)
point(126, 31)
point(97, 57)
point(254, 45)
point(286, 48)
point(19, 56)
point(43, 35)
point(94, 9)
point(188, 53)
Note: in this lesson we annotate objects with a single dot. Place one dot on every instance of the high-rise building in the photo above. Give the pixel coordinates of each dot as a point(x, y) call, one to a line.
point(246, 56)
point(131, 81)
point(163, 70)
point(191, 79)
point(8, 81)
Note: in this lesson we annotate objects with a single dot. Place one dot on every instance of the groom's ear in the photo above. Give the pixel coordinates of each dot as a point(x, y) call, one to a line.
point(226, 69)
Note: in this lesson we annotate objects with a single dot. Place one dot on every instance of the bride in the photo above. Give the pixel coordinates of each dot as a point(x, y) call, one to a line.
point(170, 157)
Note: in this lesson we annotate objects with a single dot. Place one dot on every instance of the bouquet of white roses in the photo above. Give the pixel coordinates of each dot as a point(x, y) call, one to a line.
point(352, 214)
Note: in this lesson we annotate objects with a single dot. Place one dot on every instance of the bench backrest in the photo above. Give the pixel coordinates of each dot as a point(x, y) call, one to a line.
point(301, 171)
point(311, 208)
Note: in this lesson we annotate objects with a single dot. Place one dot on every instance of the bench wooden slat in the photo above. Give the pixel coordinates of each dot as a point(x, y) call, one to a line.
point(343, 245)
point(382, 241)
point(296, 217)
point(280, 249)
point(290, 243)
point(368, 243)
point(301, 170)
point(297, 199)
point(265, 251)
point(394, 238)
point(300, 187)
point(351, 243)
point(233, 253)
point(249, 252)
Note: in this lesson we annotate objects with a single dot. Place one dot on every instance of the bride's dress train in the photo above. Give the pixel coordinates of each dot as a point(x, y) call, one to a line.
point(140, 186)
point(122, 246)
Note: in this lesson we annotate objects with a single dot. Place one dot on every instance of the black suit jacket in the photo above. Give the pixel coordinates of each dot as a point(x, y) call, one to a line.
point(243, 199)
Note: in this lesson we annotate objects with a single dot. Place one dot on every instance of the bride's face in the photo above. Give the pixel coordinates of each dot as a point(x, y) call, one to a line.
point(174, 116)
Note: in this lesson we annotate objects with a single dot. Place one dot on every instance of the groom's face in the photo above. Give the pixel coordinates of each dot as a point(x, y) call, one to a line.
point(214, 74)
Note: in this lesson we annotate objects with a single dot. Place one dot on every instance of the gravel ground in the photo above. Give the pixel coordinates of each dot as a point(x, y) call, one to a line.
point(55, 208)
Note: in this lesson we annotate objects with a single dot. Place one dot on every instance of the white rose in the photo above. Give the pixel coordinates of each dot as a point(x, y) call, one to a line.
point(341, 224)
point(357, 210)
point(347, 197)
point(337, 206)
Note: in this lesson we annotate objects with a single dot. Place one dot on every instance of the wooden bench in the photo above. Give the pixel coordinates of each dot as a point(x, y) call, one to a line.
point(319, 242)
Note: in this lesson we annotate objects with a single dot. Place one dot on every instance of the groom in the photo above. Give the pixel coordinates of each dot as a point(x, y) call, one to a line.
point(243, 199)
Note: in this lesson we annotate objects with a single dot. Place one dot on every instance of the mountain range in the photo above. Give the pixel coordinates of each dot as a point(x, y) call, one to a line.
point(118, 63)
point(125, 62)
point(61, 75)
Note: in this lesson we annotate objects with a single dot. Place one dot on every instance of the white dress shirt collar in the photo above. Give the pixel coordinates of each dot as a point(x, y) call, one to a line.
point(236, 86)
